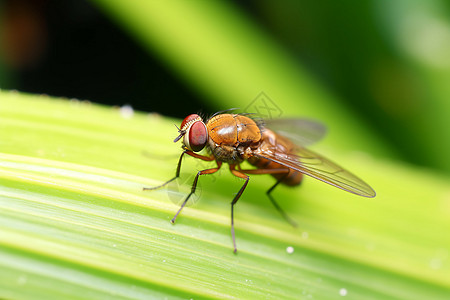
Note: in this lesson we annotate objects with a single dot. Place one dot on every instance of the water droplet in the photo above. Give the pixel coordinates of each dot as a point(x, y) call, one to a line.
point(343, 292)
point(126, 111)
point(290, 250)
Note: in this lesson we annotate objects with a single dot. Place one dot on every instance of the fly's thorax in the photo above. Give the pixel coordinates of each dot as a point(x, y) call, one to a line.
point(247, 130)
point(231, 137)
point(233, 130)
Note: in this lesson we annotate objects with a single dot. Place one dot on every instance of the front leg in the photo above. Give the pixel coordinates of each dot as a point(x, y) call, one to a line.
point(177, 174)
point(236, 198)
point(194, 186)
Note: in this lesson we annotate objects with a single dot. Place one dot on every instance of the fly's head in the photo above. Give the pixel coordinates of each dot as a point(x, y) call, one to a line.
point(194, 133)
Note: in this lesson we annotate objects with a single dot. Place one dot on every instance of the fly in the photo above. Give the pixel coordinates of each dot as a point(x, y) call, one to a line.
point(276, 147)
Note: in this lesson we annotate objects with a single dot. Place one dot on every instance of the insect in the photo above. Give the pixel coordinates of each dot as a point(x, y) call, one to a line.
point(276, 147)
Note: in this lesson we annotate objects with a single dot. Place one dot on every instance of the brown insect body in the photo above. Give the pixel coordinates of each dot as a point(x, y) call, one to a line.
point(233, 138)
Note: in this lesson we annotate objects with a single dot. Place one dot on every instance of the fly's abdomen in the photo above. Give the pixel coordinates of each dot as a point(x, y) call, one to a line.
point(292, 177)
point(272, 143)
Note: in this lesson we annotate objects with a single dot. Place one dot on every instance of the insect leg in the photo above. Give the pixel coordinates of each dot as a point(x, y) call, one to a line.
point(177, 174)
point(202, 157)
point(236, 198)
point(280, 210)
point(274, 171)
point(194, 186)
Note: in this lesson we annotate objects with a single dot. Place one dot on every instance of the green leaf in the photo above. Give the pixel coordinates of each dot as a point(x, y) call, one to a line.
point(75, 223)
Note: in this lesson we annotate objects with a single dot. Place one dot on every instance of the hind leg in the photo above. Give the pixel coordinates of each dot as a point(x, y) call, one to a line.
point(285, 173)
point(280, 210)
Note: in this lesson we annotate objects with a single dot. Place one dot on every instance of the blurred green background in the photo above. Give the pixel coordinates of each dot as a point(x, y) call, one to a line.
point(377, 72)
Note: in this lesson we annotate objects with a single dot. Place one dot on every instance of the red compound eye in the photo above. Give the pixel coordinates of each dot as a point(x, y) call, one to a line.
point(196, 136)
point(186, 124)
point(189, 119)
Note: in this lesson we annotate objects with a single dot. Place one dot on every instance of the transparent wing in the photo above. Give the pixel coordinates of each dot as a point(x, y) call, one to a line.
point(317, 166)
point(302, 132)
